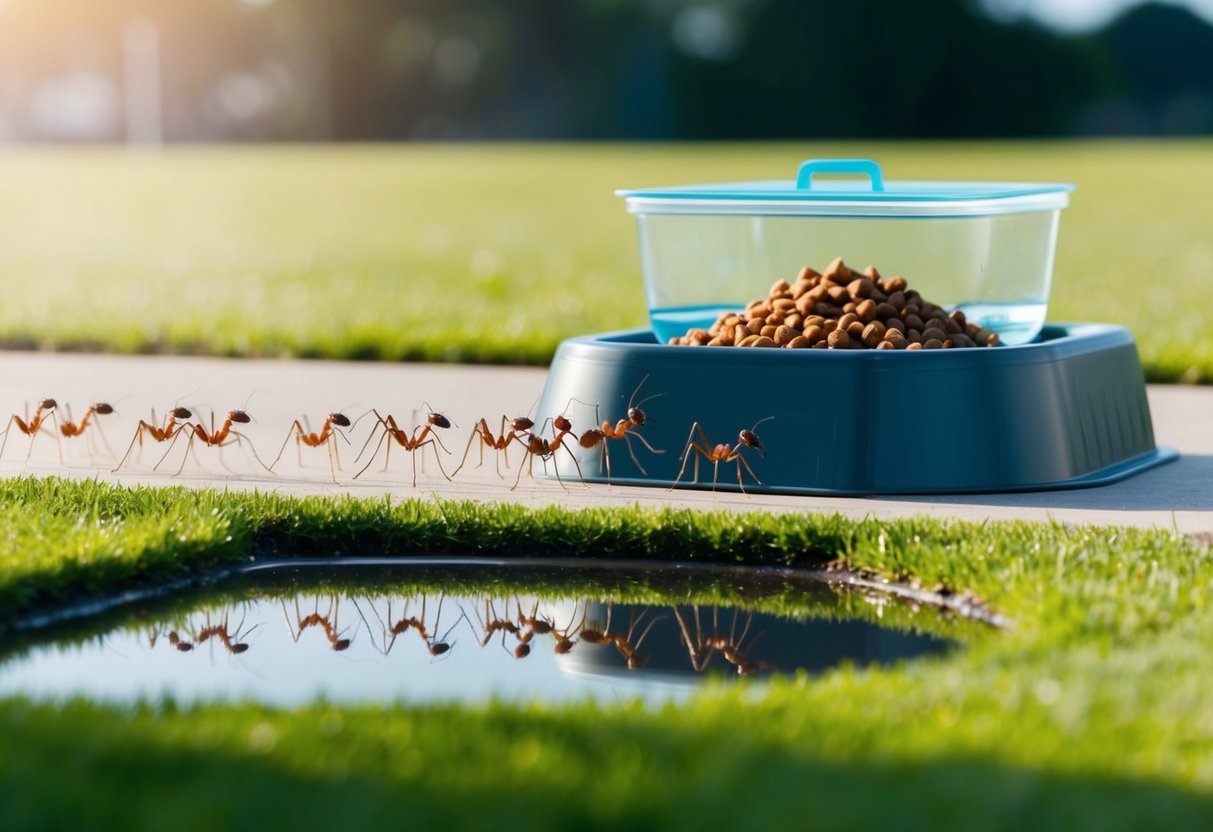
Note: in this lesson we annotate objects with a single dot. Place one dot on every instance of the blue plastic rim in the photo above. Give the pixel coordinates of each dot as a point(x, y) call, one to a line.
point(1066, 411)
point(818, 180)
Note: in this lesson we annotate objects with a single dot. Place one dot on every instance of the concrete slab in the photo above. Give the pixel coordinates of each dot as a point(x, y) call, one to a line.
point(1177, 496)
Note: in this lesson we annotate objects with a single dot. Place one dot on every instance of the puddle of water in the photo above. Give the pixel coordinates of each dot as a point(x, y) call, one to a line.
point(288, 644)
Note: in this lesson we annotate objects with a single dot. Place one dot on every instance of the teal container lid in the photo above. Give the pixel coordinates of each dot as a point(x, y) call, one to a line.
point(863, 193)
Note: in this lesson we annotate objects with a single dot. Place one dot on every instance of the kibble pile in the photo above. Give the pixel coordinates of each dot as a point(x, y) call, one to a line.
point(842, 309)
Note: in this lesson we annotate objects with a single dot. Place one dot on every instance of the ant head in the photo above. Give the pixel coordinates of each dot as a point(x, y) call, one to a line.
point(439, 421)
point(636, 415)
point(182, 413)
point(749, 438)
point(564, 645)
point(439, 647)
point(339, 419)
point(184, 646)
point(562, 423)
point(103, 408)
point(239, 416)
point(522, 651)
point(239, 647)
point(522, 423)
point(48, 404)
point(341, 644)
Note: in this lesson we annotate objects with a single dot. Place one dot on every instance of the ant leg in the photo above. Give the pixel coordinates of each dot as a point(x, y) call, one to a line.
point(175, 436)
point(252, 450)
point(382, 437)
point(754, 477)
point(295, 430)
point(692, 446)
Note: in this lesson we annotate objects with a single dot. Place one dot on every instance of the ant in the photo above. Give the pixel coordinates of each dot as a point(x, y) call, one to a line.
point(70, 429)
point(225, 636)
point(717, 454)
point(315, 440)
point(541, 626)
point(434, 646)
point(213, 439)
point(518, 428)
point(411, 442)
point(623, 429)
point(327, 622)
point(492, 624)
point(545, 449)
point(158, 434)
point(730, 647)
point(44, 410)
point(628, 649)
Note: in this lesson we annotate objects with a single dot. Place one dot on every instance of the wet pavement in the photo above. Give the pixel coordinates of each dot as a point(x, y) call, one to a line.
point(1178, 495)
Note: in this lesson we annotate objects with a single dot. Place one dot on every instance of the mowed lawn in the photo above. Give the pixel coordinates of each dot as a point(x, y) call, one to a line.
point(497, 252)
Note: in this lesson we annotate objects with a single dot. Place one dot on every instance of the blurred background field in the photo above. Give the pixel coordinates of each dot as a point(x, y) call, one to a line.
point(496, 252)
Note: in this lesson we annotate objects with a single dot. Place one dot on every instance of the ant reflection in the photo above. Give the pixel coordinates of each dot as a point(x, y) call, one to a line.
point(326, 622)
point(434, 645)
point(232, 641)
point(701, 647)
point(704, 633)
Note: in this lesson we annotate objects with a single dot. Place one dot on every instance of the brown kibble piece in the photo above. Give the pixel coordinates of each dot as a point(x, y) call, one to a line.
point(913, 346)
point(814, 333)
point(866, 310)
point(838, 294)
point(798, 343)
point(932, 344)
point(860, 287)
point(784, 334)
point(847, 319)
point(809, 274)
point(855, 330)
point(839, 340)
point(912, 321)
point(885, 310)
point(778, 288)
point(873, 333)
point(755, 325)
point(897, 300)
point(763, 341)
point(896, 283)
point(837, 268)
point(768, 331)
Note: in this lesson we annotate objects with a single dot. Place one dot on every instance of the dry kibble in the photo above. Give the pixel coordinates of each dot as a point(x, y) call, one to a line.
point(885, 310)
point(839, 339)
point(873, 333)
point(842, 309)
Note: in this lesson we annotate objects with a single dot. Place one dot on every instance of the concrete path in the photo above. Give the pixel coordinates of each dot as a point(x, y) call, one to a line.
point(1178, 495)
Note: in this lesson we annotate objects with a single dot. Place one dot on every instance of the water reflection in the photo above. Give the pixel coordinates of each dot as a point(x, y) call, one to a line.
point(438, 647)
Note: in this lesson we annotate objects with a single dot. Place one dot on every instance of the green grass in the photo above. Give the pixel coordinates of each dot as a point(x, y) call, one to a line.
point(497, 252)
point(1091, 710)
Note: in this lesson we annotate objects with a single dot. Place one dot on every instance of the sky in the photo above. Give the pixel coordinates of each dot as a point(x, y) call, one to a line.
point(1079, 15)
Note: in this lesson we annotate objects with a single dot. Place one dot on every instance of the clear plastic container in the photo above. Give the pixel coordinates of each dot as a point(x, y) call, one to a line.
point(983, 247)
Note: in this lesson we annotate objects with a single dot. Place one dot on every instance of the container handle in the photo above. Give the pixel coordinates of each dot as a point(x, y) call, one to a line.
point(862, 167)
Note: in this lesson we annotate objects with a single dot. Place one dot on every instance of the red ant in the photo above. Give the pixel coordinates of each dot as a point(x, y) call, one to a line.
point(492, 624)
point(213, 438)
point(518, 428)
point(623, 643)
point(541, 626)
point(730, 647)
point(623, 429)
point(545, 449)
point(158, 434)
point(434, 646)
point(315, 440)
point(225, 636)
point(45, 409)
point(327, 622)
point(71, 429)
point(717, 454)
point(411, 442)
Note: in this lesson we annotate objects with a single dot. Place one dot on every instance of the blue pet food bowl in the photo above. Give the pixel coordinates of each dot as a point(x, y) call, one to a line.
point(1067, 410)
